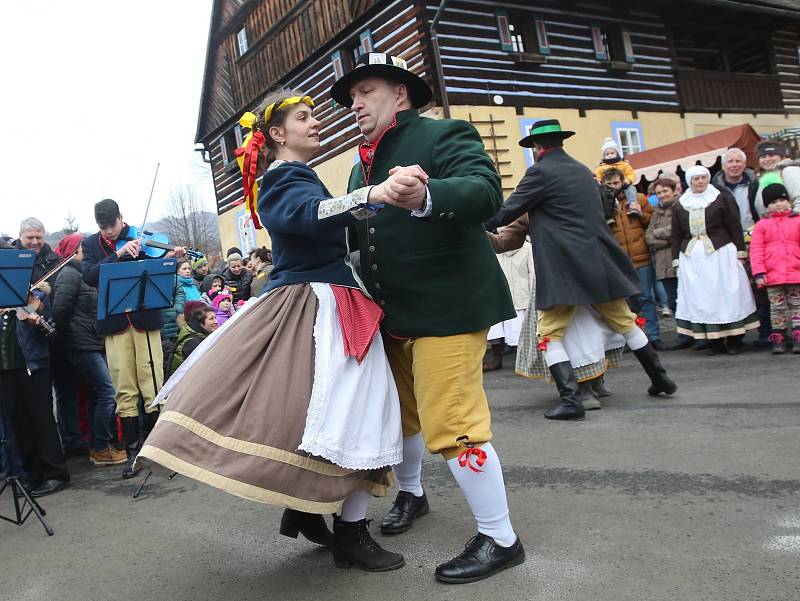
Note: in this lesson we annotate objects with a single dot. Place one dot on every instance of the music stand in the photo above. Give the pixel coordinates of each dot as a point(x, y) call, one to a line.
point(131, 286)
point(16, 268)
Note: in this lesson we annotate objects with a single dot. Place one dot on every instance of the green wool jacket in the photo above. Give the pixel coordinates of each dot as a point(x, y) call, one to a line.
point(435, 276)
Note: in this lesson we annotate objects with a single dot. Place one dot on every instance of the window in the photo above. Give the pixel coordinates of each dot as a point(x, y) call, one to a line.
point(241, 37)
point(523, 36)
point(628, 136)
point(525, 125)
point(337, 62)
point(246, 232)
point(228, 143)
point(613, 44)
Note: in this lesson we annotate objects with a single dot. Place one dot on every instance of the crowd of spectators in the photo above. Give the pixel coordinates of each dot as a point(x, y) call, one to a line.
point(62, 352)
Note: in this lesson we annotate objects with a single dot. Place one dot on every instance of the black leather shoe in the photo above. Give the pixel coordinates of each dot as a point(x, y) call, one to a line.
point(405, 510)
point(49, 487)
point(481, 558)
point(311, 525)
point(571, 407)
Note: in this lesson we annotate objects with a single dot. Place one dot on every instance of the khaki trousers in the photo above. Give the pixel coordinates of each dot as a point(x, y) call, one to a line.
point(552, 323)
point(440, 383)
point(130, 371)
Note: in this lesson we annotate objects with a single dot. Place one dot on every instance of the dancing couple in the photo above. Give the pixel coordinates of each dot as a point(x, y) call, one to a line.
point(343, 376)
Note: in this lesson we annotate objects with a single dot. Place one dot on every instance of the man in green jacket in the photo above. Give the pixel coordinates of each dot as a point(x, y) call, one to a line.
point(427, 261)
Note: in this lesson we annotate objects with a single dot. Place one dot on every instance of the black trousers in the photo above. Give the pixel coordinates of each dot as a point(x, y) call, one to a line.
point(28, 407)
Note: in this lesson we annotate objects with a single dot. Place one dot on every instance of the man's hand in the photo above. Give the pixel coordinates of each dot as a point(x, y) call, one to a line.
point(405, 188)
point(132, 248)
point(176, 253)
point(761, 281)
point(33, 318)
point(635, 207)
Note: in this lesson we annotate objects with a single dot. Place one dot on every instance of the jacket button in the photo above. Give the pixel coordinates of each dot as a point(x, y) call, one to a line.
point(372, 249)
point(378, 285)
point(382, 302)
point(441, 215)
point(372, 230)
point(450, 215)
point(374, 267)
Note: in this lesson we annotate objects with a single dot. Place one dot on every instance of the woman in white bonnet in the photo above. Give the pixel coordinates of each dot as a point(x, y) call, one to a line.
point(715, 300)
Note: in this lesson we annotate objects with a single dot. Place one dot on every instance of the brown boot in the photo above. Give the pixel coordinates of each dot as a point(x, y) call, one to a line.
point(496, 361)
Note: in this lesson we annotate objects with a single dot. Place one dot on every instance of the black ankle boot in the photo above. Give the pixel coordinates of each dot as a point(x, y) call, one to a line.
point(353, 546)
point(311, 525)
point(130, 432)
point(567, 384)
point(148, 423)
point(661, 382)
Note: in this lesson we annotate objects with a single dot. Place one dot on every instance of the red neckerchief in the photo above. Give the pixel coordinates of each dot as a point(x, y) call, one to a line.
point(543, 153)
point(367, 151)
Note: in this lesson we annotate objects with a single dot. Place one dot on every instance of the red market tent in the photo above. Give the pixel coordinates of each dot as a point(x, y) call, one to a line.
point(704, 149)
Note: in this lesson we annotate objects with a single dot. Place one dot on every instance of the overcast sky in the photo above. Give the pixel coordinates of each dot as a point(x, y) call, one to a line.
point(93, 95)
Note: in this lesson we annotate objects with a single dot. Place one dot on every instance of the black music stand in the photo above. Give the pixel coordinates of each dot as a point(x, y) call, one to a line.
point(16, 267)
point(131, 286)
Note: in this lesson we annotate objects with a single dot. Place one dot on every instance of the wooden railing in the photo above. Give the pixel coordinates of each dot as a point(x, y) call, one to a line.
point(738, 92)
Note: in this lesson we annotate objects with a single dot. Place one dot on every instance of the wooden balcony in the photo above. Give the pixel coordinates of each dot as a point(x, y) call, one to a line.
point(714, 91)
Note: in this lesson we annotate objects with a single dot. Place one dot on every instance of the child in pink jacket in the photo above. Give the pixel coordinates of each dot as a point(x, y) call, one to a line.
point(775, 260)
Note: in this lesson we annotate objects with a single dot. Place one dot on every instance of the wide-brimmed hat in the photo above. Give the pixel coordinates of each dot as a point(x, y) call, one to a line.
point(385, 66)
point(545, 127)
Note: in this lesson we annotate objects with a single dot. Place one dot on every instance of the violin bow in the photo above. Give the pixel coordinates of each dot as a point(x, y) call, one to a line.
point(53, 271)
point(149, 199)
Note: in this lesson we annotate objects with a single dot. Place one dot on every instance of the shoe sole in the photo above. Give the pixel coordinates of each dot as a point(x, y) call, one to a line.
point(518, 560)
point(346, 565)
point(52, 492)
point(107, 463)
point(419, 514)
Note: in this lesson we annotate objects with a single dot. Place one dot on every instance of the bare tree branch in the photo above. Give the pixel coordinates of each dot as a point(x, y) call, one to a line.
point(188, 224)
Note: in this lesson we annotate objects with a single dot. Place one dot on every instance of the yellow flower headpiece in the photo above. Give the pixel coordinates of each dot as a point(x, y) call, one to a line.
point(288, 102)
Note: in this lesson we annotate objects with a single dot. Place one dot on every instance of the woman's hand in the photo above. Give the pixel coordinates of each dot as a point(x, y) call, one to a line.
point(405, 188)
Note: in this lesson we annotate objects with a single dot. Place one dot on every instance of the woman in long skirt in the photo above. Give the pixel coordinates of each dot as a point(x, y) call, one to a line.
point(292, 401)
point(591, 345)
point(715, 300)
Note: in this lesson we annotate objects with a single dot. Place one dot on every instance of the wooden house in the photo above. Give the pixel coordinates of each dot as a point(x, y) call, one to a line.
point(646, 74)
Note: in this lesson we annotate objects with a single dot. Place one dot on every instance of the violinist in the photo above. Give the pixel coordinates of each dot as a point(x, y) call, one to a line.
point(126, 336)
point(26, 398)
point(31, 237)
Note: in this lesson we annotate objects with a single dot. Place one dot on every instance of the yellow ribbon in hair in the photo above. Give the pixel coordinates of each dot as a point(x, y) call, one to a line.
point(288, 102)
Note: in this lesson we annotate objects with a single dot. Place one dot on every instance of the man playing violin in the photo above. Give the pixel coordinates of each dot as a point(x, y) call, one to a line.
point(26, 398)
point(126, 335)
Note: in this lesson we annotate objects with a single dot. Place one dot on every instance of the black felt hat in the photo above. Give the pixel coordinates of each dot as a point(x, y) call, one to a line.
point(385, 66)
point(545, 127)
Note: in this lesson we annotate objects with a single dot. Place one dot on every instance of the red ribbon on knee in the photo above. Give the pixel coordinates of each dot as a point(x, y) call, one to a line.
point(640, 321)
point(542, 346)
point(480, 458)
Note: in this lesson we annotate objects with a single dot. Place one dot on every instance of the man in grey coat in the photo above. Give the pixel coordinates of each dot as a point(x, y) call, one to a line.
point(577, 261)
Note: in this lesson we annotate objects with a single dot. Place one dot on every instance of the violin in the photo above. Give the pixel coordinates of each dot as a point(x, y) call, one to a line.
point(32, 308)
point(154, 245)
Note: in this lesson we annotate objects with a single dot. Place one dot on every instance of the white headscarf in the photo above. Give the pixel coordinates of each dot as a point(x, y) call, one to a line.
point(689, 199)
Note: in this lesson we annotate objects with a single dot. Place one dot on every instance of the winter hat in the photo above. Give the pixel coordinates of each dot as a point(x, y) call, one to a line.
point(199, 262)
point(770, 147)
point(769, 178)
point(68, 245)
point(190, 307)
point(221, 296)
point(774, 192)
point(233, 251)
point(609, 143)
point(696, 170)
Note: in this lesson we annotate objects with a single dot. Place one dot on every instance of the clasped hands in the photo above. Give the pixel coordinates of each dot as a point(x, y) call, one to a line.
point(406, 188)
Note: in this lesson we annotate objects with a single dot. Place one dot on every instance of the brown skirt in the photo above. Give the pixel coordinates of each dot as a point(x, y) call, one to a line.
point(236, 418)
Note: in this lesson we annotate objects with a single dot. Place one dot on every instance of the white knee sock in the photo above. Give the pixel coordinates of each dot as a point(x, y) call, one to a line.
point(355, 506)
point(636, 338)
point(555, 353)
point(485, 492)
point(409, 472)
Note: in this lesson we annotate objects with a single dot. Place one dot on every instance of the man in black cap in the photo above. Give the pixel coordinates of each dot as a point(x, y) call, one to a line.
point(428, 263)
point(577, 261)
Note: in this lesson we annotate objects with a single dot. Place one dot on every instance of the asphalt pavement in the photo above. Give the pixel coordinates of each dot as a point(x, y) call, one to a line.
point(695, 497)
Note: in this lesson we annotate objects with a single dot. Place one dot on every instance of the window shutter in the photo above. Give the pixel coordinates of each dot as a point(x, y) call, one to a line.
point(338, 64)
point(541, 37)
point(627, 46)
point(504, 31)
point(598, 42)
point(367, 44)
